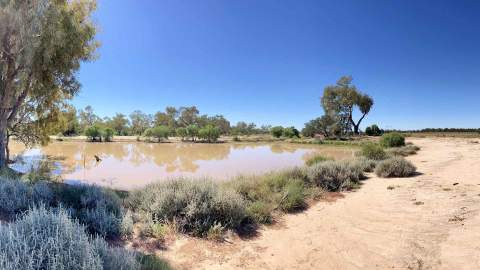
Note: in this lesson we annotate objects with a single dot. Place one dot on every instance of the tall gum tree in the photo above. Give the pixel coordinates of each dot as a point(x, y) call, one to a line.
point(42, 43)
point(339, 101)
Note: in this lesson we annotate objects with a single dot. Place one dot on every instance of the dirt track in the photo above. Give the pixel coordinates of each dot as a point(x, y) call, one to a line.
point(424, 222)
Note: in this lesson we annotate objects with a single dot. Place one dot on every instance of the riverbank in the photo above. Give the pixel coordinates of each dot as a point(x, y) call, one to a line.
point(431, 221)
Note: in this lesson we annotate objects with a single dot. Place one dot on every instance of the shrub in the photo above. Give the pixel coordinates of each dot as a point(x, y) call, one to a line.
point(291, 132)
point(316, 159)
point(373, 130)
point(209, 133)
point(93, 133)
point(404, 151)
point(17, 196)
point(393, 139)
point(152, 262)
point(364, 164)
point(43, 239)
point(260, 212)
point(195, 206)
point(159, 133)
point(293, 196)
point(182, 132)
point(277, 131)
point(98, 208)
point(335, 176)
point(108, 134)
point(373, 151)
point(192, 131)
point(395, 167)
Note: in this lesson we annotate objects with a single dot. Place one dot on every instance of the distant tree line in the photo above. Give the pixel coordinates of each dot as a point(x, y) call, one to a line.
point(432, 130)
point(184, 122)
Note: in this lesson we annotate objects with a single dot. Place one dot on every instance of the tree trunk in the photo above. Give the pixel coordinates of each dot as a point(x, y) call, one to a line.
point(3, 143)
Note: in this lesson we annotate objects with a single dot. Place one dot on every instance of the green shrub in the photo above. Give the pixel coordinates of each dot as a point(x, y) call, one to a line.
point(43, 239)
point(192, 131)
point(373, 151)
point(291, 132)
point(108, 134)
point(93, 133)
point(260, 212)
point(152, 262)
point(395, 167)
point(277, 131)
point(373, 130)
point(159, 133)
point(182, 133)
point(316, 159)
point(209, 133)
point(17, 196)
point(393, 139)
point(195, 206)
point(334, 175)
point(293, 196)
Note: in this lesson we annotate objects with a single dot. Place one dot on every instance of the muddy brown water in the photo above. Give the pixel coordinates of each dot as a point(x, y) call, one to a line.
point(127, 165)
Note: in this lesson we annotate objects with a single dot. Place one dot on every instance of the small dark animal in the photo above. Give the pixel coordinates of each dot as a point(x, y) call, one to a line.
point(455, 184)
point(97, 158)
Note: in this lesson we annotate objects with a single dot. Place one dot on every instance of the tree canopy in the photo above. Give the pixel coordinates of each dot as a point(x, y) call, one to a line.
point(42, 43)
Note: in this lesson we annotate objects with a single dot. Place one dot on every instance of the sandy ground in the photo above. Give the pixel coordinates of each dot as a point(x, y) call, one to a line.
point(425, 222)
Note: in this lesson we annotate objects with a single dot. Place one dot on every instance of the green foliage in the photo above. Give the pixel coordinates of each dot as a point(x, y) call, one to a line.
point(108, 134)
point(392, 139)
point(195, 206)
point(159, 133)
point(374, 130)
point(140, 122)
point(373, 151)
point(182, 132)
point(152, 262)
point(277, 131)
point(316, 159)
point(294, 196)
point(209, 133)
point(395, 167)
point(291, 132)
point(93, 133)
point(38, 66)
point(192, 131)
point(260, 212)
point(324, 125)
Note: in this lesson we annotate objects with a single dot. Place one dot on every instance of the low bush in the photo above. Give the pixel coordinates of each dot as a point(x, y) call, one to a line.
point(395, 167)
point(316, 159)
point(277, 131)
point(404, 151)
point(373, 130)
point(108, 134)
point(373, 151)
point(293, 196)
point(260, 212)
point(335, 176)
point(363, 164)
point(159, 133)
point(17, 196)
point(291, 132)
point(46, 239)
point(392, 139)
point(195, 206)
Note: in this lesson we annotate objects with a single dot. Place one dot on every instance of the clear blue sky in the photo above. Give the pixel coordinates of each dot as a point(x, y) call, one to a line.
point(267, 61)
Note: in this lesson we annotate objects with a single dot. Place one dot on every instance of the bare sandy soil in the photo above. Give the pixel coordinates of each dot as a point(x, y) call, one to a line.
point(431, 221)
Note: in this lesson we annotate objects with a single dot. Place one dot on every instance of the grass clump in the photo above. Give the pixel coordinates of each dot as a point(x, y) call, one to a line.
point(195, 206)
point(335, 176)
point(316, 159)
point(392, 139)
point(395, 167)
point(373, 151)
point(404, 151)
point(49, 239)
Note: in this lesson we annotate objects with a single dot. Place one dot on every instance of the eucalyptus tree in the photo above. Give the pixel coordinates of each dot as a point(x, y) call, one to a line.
point(42, 44)
point(338, 101)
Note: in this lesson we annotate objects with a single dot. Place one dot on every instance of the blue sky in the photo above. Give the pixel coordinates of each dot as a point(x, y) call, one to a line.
point(267, 61)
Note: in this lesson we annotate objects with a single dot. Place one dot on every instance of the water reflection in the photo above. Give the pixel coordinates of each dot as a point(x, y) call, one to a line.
point(127, 165)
